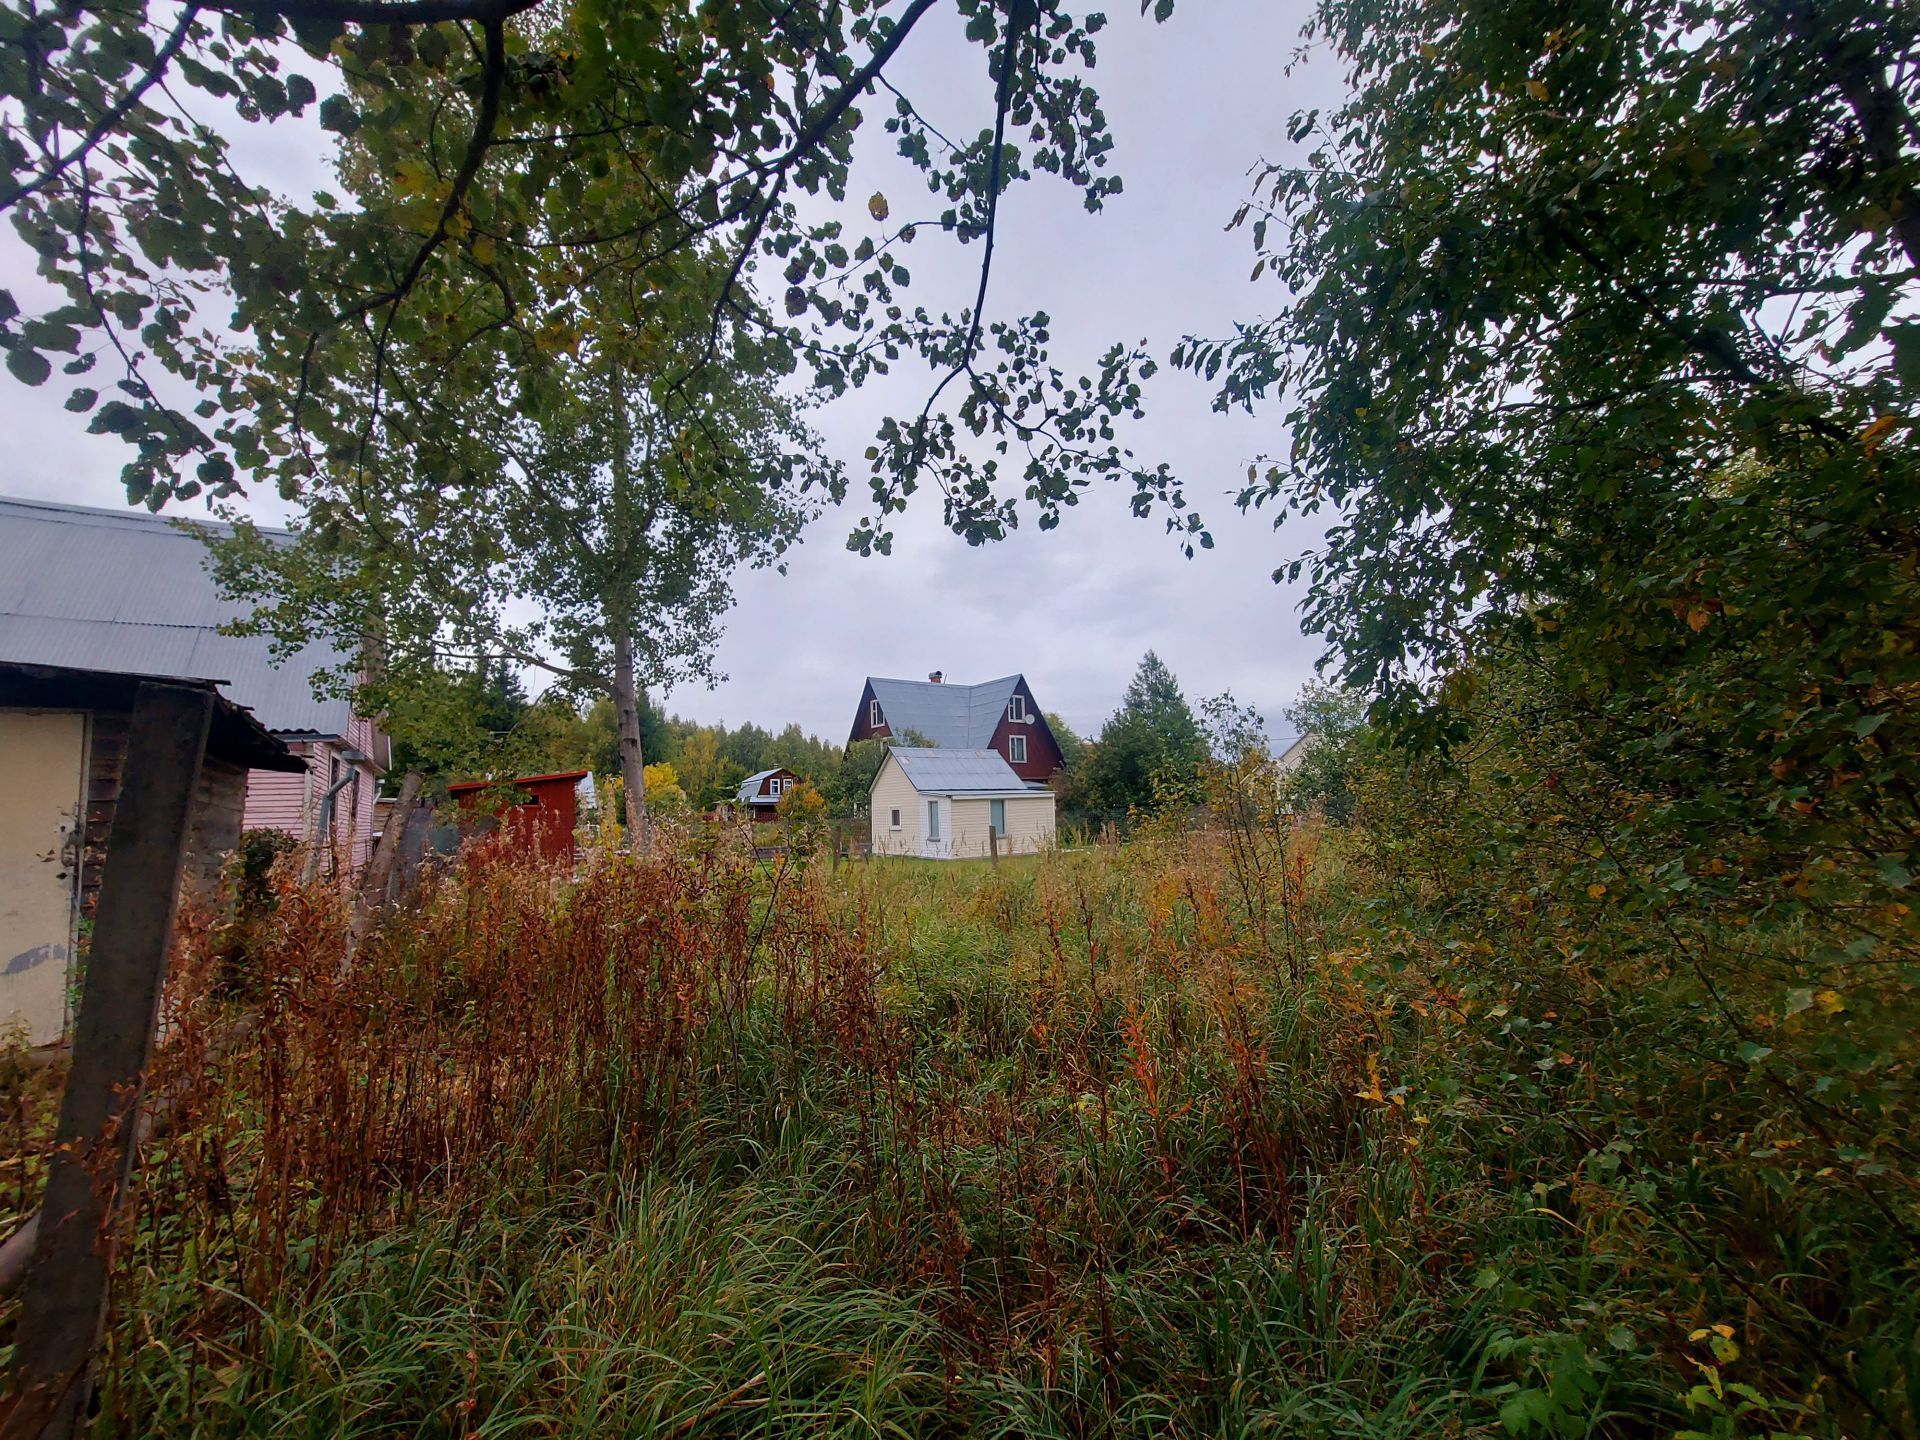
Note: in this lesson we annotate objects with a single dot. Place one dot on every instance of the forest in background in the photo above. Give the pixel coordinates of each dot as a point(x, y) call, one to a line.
point(486, 727)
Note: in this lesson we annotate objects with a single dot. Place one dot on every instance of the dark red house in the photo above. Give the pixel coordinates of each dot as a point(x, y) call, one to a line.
point(540, 825)
point(760, 794)
point(999, 715)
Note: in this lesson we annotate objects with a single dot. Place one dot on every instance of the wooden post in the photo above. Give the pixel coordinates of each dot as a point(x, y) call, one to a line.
point(65, 1303)
point(993, 844)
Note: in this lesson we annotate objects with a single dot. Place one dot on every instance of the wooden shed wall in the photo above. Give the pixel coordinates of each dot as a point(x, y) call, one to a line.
point(211, 837)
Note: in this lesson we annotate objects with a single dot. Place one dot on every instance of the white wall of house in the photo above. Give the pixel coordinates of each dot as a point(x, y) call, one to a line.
point(1029, 827)
point(893, 791)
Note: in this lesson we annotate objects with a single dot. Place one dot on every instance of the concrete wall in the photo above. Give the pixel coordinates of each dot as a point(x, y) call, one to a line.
point(80, 755)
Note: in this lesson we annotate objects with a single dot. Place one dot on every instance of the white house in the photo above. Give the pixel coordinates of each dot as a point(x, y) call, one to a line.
point(940, 804)
point(1291, 758)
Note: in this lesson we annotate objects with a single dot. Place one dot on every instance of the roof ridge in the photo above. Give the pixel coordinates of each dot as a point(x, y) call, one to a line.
point(131, 516)
point(97, 620)
point(949, 684)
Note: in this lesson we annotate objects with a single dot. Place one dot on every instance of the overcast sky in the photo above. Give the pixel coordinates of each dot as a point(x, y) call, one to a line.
point(1193, 104)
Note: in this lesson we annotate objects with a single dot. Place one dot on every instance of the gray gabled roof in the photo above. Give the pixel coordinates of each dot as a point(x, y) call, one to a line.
point(955, 716)
point(958, 772)
point(129, 593)
point(750, 787)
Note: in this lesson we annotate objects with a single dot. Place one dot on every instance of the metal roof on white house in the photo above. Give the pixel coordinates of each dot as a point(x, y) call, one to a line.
point(959, 772)
point(130, 594)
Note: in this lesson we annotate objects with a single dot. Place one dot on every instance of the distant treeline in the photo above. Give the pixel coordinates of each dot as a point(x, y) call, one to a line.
point(1148, 752)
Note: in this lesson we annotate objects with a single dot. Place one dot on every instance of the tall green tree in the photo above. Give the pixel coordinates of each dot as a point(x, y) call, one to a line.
point(699, 764)
point(626, 498)
point(1072, 747)
point(456, 719)
point(1604, 361)
point(851, 782)
point(1150, 750)
point(1560, 274)
point(497, 157)
point(1602, 366)
point(1332, 724)
point(747, 747)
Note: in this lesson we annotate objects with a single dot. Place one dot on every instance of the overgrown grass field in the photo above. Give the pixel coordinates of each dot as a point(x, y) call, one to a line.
point(1200, 1135)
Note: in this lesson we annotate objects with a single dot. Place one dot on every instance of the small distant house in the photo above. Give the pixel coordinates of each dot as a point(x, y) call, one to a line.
point(127, 593)
point(541, 825)
point(998, 715)
point(940, 804)
point(1291, 758)
point(760, 794)
point(64, 735)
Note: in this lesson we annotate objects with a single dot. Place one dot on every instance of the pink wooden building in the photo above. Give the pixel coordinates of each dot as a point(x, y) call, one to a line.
point(122, 591)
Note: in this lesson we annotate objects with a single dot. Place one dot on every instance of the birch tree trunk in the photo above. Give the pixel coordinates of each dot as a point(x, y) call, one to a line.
point(626, 706)
point(374, 880)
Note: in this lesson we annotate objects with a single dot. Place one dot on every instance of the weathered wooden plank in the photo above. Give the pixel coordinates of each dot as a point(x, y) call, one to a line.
point(66, 1284)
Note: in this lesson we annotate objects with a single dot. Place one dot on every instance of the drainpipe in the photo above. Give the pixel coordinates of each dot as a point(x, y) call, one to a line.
point(325, 825)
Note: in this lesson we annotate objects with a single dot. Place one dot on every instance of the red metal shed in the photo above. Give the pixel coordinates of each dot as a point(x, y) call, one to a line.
point(543, 824)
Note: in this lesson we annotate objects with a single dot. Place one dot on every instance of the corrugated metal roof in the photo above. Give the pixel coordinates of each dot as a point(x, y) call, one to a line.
point(958, 772)
point(749, 787)
point(130, 594)
point(953, 716)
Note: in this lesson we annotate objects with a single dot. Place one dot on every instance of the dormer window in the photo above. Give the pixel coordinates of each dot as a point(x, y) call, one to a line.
point(874, 722)
point(1017, 709)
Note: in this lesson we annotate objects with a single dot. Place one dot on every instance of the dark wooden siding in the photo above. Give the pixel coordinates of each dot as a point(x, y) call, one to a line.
point(106, 752)
point(1043, 752)
point(216, 823)
point(861, 729)
point(765, 792)
point(215, 828)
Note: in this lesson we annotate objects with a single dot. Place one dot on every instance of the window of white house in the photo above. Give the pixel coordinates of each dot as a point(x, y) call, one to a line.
point(997, 817)
point(893, 819)
point(873, 714)
point(1017, 709)
point(1017, 749)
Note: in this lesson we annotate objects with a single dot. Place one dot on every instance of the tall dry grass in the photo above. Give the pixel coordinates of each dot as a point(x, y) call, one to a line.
point(1185, 1136)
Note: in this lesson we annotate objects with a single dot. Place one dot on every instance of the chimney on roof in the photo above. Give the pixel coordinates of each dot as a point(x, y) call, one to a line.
point(937, 676)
